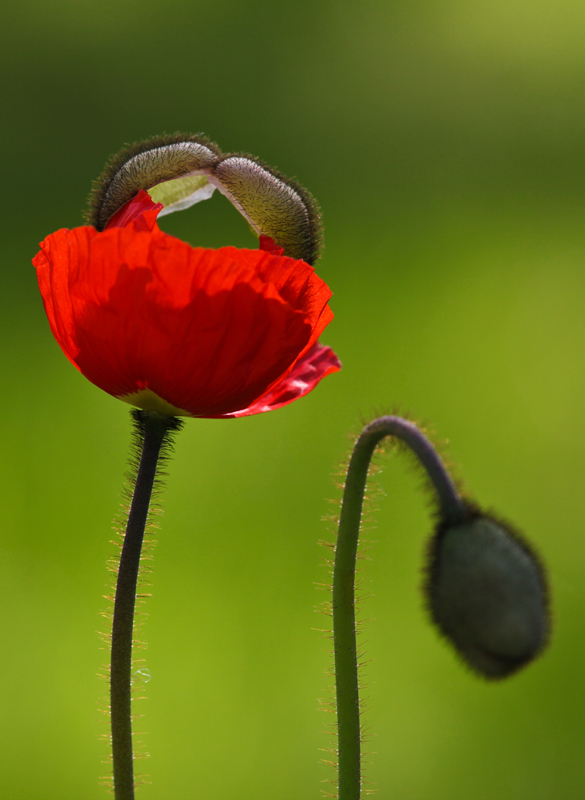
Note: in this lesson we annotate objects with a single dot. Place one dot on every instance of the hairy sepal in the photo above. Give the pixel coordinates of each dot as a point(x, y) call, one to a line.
point(179, 171)
point(273, 205)
point(179, 160)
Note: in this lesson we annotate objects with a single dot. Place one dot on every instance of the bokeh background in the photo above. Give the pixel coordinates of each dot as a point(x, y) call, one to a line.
point(444, 141)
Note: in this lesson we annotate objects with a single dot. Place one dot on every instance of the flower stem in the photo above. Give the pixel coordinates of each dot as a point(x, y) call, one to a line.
point(153, 431)
point(452, 507)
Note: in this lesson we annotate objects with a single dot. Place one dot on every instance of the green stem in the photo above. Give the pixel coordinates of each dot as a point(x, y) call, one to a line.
point(152, 431)
point(344, 633)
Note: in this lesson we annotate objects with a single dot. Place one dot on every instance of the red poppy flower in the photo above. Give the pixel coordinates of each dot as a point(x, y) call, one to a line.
point(181, 330)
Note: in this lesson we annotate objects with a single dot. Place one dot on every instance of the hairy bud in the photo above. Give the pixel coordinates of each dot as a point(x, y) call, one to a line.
point(487, 593)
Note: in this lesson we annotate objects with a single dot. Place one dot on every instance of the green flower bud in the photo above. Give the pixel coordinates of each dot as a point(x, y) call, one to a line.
point(487, 593)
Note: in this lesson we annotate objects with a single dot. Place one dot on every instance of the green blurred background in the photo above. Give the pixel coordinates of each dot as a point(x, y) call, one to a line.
point(444, 141)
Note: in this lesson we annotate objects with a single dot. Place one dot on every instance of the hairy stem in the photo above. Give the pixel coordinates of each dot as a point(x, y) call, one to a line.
point(344, 633)
point(153, 431)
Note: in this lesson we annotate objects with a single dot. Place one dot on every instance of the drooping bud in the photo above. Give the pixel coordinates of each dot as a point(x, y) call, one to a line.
point(273, 205)
point(487, 593)
point(173, 169)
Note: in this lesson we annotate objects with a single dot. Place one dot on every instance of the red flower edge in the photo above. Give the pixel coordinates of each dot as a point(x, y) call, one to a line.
point(183, 330)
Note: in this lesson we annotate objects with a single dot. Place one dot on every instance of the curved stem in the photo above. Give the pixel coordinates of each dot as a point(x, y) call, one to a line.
point(152, 431)
point(452, 507)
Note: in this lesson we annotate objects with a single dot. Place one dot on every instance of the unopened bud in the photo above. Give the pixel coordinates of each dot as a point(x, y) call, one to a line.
point(487, 593)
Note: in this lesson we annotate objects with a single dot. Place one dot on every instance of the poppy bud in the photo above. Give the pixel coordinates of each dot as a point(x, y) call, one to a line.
point(487, 593)
point(273, 205)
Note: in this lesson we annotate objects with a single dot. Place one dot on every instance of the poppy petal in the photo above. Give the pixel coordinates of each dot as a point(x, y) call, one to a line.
point(209, 332)
point(141, 211)
point(308, 371)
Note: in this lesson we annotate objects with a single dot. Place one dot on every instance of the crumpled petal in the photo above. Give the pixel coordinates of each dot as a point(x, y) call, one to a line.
point(308, 371)
point(209, 333)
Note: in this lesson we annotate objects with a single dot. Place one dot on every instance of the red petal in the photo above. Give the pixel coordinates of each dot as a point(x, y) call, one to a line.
point(308, 371)
point(270, 246)
point(209, 331)
point(141, 210)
